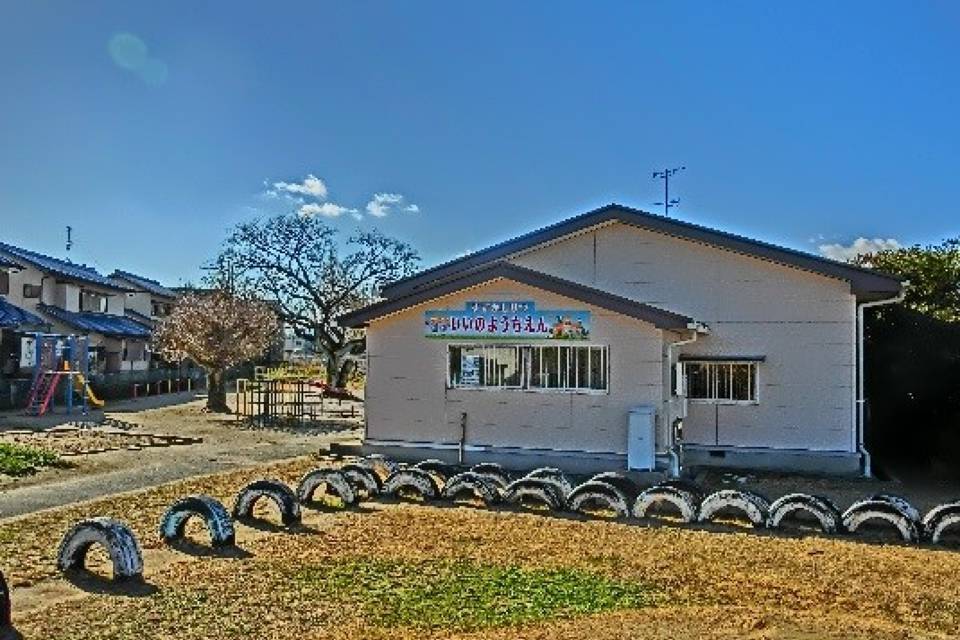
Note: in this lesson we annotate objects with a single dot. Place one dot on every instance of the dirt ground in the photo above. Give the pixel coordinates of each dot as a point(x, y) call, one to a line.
point(226, 444)
point(715, 582)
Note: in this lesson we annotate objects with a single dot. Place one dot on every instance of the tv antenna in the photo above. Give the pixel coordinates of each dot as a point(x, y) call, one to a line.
point(69, 238)
point(665, 175)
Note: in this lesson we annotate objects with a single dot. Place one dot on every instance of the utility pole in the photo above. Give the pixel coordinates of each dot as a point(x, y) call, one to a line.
point(667, 203)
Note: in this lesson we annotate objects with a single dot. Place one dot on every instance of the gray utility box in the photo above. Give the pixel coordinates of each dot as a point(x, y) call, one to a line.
point(641, 435)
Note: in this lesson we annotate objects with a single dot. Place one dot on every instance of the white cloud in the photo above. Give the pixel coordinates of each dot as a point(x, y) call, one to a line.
point(356, 215)
point(381, 203)
point(311, 186)
point(412, 208)
point(858, 247)
point(325, 209)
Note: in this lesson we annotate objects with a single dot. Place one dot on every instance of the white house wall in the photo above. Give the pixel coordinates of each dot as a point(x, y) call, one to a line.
point(802, 323)
point(407, 399)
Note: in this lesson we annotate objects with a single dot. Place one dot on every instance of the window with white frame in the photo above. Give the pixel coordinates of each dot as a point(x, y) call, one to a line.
point(533, 367)
point(721, 382)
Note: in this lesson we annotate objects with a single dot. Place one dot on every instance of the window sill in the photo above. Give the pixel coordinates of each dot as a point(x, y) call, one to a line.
point(571, 392)
point(741, 403)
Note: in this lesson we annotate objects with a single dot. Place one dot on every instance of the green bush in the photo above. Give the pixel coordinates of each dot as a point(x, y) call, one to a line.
point(21, 459)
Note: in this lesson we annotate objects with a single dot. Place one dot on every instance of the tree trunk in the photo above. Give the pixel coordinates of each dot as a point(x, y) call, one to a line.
point(217, 392)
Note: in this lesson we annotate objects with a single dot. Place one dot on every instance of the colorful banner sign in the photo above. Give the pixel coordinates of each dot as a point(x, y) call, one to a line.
point(508, 319)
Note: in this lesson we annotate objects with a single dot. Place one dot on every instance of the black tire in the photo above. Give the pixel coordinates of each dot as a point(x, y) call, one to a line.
point(493, 472)
point(547, 492)
point(599, 492)
point(4, 602)
point(883, 510)
point(553, 475)
point(825, 512)
point(438, 468)
point(215, 517)
point(682, 484)
point(754, 506)
point(332, 480)
point(626, 486)
point(685, 503)
point(382, 465)
point(939, 519)
point(420, 482)
point(363, 477)
point(901, 503)
point(276, 491)
point(113, 535)
point(477, 485)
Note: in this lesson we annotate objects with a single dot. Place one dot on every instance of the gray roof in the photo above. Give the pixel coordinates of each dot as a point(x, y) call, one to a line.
point(866, 284)
point(618, 304)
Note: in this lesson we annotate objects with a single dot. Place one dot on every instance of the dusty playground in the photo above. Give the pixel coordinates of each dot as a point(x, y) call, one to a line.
point(394, 570)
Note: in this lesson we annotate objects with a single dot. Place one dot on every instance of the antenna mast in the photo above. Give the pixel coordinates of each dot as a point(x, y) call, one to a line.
point(69, 238)
point(667, 203)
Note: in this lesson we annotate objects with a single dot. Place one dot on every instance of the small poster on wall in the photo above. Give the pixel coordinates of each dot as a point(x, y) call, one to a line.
point(507, 319)
point(470, 370)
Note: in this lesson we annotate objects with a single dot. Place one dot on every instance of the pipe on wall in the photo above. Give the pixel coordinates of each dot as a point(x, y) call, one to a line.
point(861, 386)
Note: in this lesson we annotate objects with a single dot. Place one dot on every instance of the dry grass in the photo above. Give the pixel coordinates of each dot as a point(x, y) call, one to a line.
point(706, 584)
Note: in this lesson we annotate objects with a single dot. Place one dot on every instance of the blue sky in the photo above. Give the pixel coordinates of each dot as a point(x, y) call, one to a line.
point(807, 124)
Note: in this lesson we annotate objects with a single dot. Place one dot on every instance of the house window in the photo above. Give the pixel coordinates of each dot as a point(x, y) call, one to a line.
point(93, 301)
point(532, 367)
point(4, 282)
point(32, 290)
point(721, 382)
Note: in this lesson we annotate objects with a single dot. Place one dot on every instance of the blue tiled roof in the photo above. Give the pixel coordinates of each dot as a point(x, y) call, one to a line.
point(102, 323)
point(58, 267)
point(7, 264)
point(148, 285)
point(13, 317)
point(139, 318)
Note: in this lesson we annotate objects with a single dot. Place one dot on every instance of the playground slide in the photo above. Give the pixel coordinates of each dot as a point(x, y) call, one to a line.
point(81, 383)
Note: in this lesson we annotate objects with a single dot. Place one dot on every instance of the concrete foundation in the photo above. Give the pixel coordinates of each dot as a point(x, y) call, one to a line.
point(789, 460)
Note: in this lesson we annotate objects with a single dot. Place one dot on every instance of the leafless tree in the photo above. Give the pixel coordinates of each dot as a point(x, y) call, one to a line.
point(298, 263)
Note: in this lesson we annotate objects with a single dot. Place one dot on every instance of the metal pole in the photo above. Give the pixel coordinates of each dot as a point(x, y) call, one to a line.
point(666, 192)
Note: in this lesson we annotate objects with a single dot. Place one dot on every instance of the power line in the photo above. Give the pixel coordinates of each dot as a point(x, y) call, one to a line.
point(664, 175)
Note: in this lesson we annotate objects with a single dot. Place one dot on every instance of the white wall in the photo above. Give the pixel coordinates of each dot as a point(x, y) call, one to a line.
point(803, 323)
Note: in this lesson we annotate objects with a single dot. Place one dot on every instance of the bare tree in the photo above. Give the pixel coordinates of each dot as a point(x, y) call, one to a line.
point(217, 330)
point(297, 262)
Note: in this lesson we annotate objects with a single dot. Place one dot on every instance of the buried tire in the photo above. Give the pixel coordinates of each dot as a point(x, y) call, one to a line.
point(418, 481)
point(438, 468)
point(685, 502)
point(382, 465)
point(626, 486)
point(939, 519)
point(755, 507)
point(823, 510)
point(215, 517)
point(901, 503)
point(114, 536)
point(544, 491)
point(332, 481)
point(865, 511)
point(492, 472)
point(4, 602)
point(554, 475)
point(275, 491)
point(477, 485)
point(596, 492)
point(363, 477)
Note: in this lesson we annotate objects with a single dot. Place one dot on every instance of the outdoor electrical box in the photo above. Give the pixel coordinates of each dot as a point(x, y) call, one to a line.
point(641, 435)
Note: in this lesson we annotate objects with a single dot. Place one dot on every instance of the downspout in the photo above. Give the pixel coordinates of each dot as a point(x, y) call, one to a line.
point(671, 444)
point(861, 393)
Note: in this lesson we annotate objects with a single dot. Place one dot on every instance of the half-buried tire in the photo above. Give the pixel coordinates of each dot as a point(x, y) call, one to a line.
point(546, 492)
point(684, 502)
point(114, 536)
point(626, 486)
point(598, 494)
point(404, 482)
point(275, 491)
point(822, 509)
point(900, 503)
point(493, 472)
point(383, 465)
point(215, 517)
point(4, 603)
point(332, 481)
point(865, 511)
point(363, 477)
point(438, 468)
point(939, 519)
point(552, 474)
point(755, 507)
point(474, 484)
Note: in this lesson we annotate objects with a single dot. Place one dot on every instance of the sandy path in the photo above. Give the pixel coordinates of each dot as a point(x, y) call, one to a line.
point(225, 446)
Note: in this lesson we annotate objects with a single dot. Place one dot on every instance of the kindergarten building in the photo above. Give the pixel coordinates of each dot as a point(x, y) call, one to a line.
point(618, 339)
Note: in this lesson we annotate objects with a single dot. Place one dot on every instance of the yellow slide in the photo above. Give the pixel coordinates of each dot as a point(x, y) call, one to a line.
point(81, 383)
